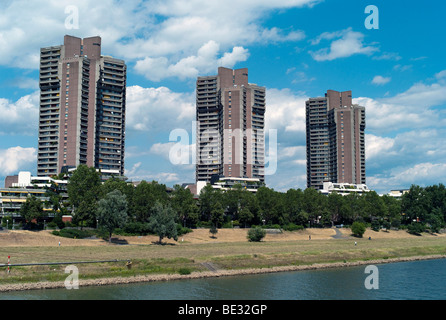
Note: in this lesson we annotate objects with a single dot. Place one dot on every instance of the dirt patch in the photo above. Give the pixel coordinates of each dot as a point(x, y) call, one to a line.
point(20, 238)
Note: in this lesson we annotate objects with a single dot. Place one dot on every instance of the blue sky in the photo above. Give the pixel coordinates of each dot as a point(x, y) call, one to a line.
point(295, 48)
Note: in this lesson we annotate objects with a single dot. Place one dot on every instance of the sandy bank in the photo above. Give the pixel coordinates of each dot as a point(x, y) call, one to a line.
point(207, 274)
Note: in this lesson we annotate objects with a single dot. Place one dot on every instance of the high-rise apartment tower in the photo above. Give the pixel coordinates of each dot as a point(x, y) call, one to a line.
point(230, 126)
point(82, 108)
point(335, 140)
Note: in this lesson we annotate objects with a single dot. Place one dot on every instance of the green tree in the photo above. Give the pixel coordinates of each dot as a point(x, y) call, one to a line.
point(352, 208)
point(232, 199)
point(374, 206)
point(145, 196)
point(246, 216)
point(415, 204)
point(416, 228)
point(53, 193)
point(185, 205)
point(117, 184)
point(435, 220)
point(213, 230)
point(335, 203)
point(358, 229)
point(162, 222)
point(315, 204)
point(84, 191)
point(208, 199)
point(256, 234)
point(293, 206)
point(270, 205)
point(112, 212)
point(393, 210)
point(31, 211)
point(217, 214)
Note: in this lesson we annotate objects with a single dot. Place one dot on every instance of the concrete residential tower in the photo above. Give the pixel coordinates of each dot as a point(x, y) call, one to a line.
point(82, 108)
point(335, 140)
point(230, 126)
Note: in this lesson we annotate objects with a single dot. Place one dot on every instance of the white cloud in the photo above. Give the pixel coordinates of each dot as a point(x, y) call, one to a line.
point(388, 56)
point(158, 109)
point(162, 149)
point(441, 75)
point(347, 43)
point(423, 174)
point(285, 110)
point(173, 29)
point(229, 59)
point(277, 35)
point(402, 68)
point(421, 95)
point(410, 109)
point(20, 117)
point(376, 146)
point(380, 80)
point(131, 172)
point(16, 159)
point(206, 60)
point(138, 173)
point(292, 152)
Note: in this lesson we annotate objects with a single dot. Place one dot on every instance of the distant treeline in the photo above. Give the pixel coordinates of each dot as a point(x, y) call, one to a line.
point(418, 209)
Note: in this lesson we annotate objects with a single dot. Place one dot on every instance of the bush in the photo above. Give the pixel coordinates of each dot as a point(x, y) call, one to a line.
point(74, 233)
point(358, 229)
point(256, 234)
point(213, 230)
point(134, 229)
point(184, 271)
point(416, 228)
point(51, 225)
point(375, 225)
point(182, 230)
point(292, 227)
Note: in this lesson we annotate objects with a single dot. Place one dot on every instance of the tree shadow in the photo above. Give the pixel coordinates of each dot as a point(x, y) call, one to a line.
point(163, 243)
point(119, 241)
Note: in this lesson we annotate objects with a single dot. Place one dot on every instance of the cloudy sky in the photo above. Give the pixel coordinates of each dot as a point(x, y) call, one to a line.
point(295, 48)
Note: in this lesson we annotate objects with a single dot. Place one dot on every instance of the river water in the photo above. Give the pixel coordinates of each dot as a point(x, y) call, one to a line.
point(419, 280)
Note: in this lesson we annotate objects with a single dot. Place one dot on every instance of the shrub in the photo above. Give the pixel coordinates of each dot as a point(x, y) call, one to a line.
point(184, 271)
point(416, 228)
point(74, 233)
point(135, 229)
point(51, 225)
point(182, 230)
point(375, 225)
point(358, 229)
point(292, 227)
point(213, 230)
point(256, 234)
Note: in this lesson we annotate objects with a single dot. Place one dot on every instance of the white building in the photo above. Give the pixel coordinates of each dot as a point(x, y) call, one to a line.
point(343, 188)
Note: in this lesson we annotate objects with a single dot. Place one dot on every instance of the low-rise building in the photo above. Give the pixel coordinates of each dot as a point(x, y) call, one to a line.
point(343, 188)
point(19, 187)
point(398, 193)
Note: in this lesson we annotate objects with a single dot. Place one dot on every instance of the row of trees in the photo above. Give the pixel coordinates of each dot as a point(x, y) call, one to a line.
point(91, 203)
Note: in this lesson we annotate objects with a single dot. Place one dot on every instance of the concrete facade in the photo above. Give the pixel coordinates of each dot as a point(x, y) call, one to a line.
point(335, 140)
point(82, 107)
point(230, 126)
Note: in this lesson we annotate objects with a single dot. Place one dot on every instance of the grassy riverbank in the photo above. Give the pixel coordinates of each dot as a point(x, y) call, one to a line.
point(199, 255)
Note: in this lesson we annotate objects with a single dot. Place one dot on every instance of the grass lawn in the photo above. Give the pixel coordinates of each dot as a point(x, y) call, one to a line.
point(171, 258)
